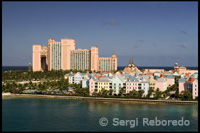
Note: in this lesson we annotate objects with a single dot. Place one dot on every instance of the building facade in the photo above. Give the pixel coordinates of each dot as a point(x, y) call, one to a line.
point(63, 55)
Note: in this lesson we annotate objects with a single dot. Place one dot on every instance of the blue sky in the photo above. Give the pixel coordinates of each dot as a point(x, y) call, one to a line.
point(152, 33)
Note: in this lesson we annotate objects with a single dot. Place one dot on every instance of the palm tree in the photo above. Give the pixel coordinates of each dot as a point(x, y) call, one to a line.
point(150, 92)
point(122, 91)
point(158, 93)
point(110, 91)
point(141, 92)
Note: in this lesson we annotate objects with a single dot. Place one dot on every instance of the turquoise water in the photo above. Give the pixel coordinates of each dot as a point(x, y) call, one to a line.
point(37, 114)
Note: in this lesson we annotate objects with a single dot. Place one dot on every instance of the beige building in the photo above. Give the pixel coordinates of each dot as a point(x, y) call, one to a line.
point(63, 55)
point(107, 63)
point(131, 68)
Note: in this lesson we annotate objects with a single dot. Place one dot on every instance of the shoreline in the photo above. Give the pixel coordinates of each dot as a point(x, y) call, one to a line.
point(146, 101)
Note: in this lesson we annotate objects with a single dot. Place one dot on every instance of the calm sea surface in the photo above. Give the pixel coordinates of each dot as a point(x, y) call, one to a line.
point(37, 114)
point(7, 68)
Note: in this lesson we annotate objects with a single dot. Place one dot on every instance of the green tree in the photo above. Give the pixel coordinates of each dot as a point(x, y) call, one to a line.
point(110, 91)
point(150, 91)
point(158, 93)
point(122, 91)
point(141, 92)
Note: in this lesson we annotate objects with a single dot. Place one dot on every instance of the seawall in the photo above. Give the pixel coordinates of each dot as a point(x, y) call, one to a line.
point(147, 101)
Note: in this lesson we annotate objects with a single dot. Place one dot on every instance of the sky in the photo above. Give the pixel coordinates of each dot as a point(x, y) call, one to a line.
point(152, 33)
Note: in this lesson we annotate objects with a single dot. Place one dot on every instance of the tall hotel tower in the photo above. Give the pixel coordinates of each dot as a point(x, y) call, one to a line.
point(63, 55)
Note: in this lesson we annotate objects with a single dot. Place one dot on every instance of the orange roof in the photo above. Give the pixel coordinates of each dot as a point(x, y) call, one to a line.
point(97, 76)
point(162, 76)
point(191, 79)
point(186, 74)
point(149, 74)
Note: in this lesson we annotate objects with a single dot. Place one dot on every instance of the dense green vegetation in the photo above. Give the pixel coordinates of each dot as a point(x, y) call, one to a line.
point(24, 75)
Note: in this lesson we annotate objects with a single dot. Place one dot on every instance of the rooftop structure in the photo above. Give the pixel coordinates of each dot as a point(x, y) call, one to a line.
point(131, 68)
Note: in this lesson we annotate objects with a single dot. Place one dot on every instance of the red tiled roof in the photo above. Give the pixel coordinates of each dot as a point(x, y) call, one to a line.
point(97, 76)
point(149, 74)
point(186, 74)
point(191, 79)
point(162, 76)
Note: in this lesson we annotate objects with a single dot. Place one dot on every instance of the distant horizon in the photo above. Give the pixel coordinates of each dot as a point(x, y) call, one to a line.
point(117, 66)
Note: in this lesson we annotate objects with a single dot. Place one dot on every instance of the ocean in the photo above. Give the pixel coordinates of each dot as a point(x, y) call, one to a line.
point(7, 68)
point(58, 115)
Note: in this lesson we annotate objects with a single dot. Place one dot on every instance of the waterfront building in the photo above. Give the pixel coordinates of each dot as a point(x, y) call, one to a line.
point(104, 82)
point(182, 84)
point(93, 85)
point(170, 80)
point(189, 84)
point(78, 77)
point(117, 84)
point(71, 78)
point(192, 86)
point(63, 55)
point(161, 84)
point(132, 83)
point(97, 81)
point(145, 86)
point(85, 83)
point(152, 82)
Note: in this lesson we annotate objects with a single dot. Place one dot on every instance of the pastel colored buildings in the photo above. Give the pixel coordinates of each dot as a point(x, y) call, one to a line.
point(115, 82)
point(145, 86)
point(182, 70)
point(192, 86)
point(63, 55)
point(132, 83)
point(161, 83)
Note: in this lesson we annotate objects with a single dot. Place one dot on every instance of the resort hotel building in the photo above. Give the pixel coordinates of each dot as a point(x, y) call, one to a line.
point(63, 55)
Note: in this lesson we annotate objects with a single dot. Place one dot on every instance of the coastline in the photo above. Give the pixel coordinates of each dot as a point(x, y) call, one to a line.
point(145, 101)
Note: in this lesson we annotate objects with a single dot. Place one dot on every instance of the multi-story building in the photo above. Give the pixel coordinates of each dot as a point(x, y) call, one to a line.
point(161, 83)
point(63, 55)
point(117, 84)
point(192, 86)
point(132, 83)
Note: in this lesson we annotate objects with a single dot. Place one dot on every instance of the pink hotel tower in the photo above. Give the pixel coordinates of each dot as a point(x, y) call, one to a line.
point(63, 55)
